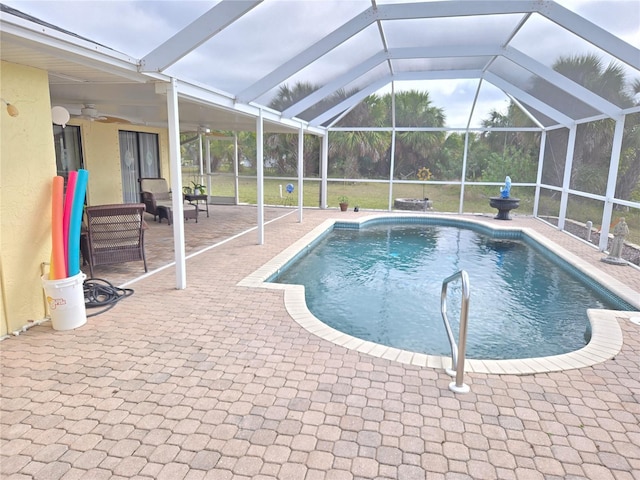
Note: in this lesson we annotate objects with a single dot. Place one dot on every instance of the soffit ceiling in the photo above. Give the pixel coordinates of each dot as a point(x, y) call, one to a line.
point(235, 57)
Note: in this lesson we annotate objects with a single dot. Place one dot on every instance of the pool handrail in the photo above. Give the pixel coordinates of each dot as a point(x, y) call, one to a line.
point(457, 352)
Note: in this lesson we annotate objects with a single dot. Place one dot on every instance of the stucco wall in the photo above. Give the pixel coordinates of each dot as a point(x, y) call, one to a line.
point(101, 152)
point(27, 165)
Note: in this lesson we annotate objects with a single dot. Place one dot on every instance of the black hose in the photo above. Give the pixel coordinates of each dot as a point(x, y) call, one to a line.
point(101, 293)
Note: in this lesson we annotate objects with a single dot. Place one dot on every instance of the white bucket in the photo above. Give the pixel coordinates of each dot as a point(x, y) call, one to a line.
point(65, 298)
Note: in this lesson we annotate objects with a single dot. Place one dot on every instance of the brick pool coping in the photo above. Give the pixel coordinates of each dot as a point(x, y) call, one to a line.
point(606, 339)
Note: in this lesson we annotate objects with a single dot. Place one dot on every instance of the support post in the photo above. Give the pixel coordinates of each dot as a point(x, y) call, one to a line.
point(175, 164)
point(543, 146)
point(260, 175)
point(324, 169)
point(464, 170)
point(392, 160)
point(612, 179)
point(566, 182)
point(300, 172)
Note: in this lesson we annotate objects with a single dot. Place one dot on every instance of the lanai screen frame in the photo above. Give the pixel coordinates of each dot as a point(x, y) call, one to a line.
point(608, 199)
point(564, 19)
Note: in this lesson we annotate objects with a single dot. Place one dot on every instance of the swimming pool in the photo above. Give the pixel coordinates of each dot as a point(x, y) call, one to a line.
point(606, 338)
point(382, 283)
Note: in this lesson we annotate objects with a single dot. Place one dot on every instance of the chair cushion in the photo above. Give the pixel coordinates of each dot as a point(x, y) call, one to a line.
point(157, 186)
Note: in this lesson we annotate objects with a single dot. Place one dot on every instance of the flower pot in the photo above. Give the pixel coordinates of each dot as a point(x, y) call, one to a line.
point(344, 207)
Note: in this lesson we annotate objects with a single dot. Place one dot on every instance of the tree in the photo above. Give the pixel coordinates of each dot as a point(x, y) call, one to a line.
point(416, 149)
point(496, 154)
point(593, 146)
point(282, 148)
point(351, 149)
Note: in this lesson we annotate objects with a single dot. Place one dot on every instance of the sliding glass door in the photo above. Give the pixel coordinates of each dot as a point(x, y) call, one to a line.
point(138, 159)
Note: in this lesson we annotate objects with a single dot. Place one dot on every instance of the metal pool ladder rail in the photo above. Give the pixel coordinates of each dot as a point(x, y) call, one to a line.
point(457, 352)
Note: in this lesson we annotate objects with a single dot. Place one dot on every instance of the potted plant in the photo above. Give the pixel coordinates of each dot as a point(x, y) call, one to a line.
point(199, 189)
point(344, 203)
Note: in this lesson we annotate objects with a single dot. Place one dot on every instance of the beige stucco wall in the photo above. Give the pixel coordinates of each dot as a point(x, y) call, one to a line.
point(27, 165)
point(101, 152)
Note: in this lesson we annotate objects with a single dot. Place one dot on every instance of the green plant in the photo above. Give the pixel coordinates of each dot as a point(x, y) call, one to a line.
point(198, 188)
point(343, 199)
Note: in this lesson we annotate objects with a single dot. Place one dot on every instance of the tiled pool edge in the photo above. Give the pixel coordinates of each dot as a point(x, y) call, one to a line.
point(606, 338)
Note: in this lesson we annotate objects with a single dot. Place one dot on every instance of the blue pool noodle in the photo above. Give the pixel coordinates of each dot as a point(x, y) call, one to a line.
point(75, 223)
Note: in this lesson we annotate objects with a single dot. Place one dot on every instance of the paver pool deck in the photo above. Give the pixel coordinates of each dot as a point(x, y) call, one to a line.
point(217, 381)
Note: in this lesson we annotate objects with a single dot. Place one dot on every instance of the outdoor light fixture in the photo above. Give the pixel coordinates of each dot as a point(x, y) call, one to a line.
point(60, 116)
point(12, 110)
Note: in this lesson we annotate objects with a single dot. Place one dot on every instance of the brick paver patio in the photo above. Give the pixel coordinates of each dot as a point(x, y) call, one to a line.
point(218, 382)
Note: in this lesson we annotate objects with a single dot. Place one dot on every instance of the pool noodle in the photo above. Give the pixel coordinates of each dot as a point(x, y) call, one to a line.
point(58, 268)
point(75, 223)
point(66, 217)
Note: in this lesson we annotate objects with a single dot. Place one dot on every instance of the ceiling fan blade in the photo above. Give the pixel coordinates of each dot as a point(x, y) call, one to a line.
point(109, 119)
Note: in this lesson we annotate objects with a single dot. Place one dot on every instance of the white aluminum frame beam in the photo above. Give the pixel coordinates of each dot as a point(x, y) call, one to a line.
point(297, 63)
point(378, 84)
point(509, 88)
point(592, 33)
point(195, 34)
point(334, 85)
point(381, 57)
point(549, 9)
point(211, 98)
point(557, 14)
point(572, 88)
point(371, 15)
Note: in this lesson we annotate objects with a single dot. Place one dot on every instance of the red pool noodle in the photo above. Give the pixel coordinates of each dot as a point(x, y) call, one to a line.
point(58, 269)
point(66, 218)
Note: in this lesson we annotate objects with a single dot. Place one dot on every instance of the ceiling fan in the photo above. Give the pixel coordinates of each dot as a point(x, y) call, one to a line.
point(90, 112)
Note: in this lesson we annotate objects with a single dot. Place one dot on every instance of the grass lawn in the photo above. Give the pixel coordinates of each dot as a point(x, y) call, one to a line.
point(446, 198)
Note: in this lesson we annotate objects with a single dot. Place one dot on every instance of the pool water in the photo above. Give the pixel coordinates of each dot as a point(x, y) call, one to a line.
point(382, 283)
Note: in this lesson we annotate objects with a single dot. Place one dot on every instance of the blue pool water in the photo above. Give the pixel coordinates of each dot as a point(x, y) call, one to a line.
point(382, 283)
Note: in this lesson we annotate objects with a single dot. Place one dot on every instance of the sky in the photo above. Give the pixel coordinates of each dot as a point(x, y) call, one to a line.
point(236, 57)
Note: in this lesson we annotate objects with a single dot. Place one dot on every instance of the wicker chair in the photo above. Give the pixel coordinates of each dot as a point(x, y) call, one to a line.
point(115, 234)
point(156, 197)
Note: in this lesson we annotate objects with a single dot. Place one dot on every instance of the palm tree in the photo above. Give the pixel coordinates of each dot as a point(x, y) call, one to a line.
point(349, 150)
point(628, 185)
point(593, 144)
point(416, 149)
point(282, 148)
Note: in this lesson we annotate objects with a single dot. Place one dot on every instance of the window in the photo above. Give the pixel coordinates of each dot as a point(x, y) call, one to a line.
point(68, 147)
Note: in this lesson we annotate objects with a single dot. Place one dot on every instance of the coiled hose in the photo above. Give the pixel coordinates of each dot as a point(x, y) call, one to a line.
point(101, 293)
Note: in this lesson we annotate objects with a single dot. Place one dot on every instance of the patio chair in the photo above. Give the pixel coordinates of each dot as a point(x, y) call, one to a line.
point(114, 234)
point(156, 196)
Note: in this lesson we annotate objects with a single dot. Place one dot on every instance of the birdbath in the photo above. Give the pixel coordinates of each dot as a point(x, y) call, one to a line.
point(504, 203)
point(504, 206)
